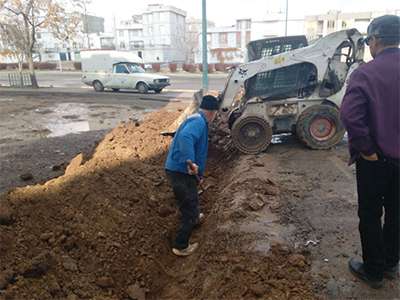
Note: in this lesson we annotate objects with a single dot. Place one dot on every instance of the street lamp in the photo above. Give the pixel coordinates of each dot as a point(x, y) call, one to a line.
point(204, 46)
point(286, 17)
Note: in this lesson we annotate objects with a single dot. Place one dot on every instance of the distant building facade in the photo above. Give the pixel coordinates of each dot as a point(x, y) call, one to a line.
point(274, 25)
point(89, 35)
point(317, 26)
point(157, 35)
point(226, 44)
point(129, 35)
point(192, 33)
point(164, 34)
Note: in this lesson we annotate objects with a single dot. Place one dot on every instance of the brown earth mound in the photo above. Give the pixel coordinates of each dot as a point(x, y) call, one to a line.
point(103, 231)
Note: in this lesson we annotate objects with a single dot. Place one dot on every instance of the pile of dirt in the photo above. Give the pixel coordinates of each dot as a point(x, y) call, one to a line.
point(103, 231)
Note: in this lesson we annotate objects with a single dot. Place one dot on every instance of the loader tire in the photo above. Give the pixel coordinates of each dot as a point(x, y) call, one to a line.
point(251, 134)
point(319, 127)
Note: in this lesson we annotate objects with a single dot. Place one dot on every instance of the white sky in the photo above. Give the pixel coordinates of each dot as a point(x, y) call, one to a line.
point(225, 12)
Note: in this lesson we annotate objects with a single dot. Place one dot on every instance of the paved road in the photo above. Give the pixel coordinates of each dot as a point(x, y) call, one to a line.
point(182, 82)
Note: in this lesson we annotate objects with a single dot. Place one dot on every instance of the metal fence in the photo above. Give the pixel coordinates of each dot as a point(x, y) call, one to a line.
point(18, 79)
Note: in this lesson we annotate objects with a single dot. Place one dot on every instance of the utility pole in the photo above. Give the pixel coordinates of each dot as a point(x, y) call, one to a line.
point(286, 17)
point(204, 46)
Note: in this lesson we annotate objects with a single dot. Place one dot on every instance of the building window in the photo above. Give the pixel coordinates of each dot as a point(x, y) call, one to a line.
point(121, 33)
point(133, 33)
point(138, 44)
point(344, 24)
point(238, 39)
point(320, 26)
point(162, 30)
point(331, 24)
point(156, 17)
point(223, 38)
point(164, 17)
point(248, 37)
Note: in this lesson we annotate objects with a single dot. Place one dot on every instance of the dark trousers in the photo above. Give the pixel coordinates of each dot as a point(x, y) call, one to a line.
point(378, 189)
point(187, 199)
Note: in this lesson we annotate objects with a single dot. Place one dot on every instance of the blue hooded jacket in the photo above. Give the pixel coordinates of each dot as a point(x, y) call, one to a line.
point(190, 143)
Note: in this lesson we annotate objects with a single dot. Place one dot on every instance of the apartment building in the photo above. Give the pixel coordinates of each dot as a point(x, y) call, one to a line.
point(164, 34)
point(317, 26)
point(226, 44)
point(129, 35)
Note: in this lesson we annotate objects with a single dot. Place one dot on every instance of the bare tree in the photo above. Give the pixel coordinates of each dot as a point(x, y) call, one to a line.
point(12, 39)
point(193, 30)
point(66, 27)
point(32, 15)
point(82, 8)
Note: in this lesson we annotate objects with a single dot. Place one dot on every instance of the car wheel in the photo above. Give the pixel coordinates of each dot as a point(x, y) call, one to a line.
point(142, 88)
point(98, 86)
point(157, 91)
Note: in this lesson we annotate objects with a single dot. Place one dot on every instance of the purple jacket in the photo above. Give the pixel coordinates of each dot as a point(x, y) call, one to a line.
point(371, 107)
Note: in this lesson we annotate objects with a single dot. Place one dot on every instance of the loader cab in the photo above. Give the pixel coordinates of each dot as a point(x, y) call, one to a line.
point(338, 67)
point(299, 80)
point(273, 46)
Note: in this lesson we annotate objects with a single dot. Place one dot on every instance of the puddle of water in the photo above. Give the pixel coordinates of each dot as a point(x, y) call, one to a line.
point(76, 117)
point(285, 137)
point(60, 129)
point(44, 111)
point(280, 138)
point(65, 118)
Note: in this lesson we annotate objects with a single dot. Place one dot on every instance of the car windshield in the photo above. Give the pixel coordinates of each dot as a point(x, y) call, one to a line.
point(132, 68)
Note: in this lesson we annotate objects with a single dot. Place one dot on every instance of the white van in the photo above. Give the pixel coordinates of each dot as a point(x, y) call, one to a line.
point(118, 70)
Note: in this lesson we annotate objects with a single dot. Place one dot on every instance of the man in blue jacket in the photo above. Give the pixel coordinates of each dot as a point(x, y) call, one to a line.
point(185, 166)
point(371, 114)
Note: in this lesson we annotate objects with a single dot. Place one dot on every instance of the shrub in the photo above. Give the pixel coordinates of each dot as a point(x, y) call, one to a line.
point(156, 67)
point(173, 67)
point(45, 66)
point(210, 68)
point(189, 68)
point(78, 65)
point(220, 67)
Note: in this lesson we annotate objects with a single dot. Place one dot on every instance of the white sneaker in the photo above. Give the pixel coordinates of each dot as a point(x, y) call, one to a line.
point(201, 218)
point(187, 251)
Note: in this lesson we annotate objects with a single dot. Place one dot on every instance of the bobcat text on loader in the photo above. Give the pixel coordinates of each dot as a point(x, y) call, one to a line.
point(298, 91)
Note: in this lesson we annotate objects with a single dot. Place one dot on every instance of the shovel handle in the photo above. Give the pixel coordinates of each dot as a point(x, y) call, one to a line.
point(191, 166)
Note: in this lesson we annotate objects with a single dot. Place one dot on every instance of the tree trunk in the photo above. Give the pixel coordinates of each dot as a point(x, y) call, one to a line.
point(32, 74)
point(21, 79)
point(30, 35)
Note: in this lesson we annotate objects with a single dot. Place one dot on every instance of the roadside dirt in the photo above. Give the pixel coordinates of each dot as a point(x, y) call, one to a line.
point(43, 159)
point(321, 203)
point(41, 132)
point(103, 230)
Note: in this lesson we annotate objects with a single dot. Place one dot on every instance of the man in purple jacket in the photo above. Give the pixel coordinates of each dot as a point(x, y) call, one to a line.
point(371, 114)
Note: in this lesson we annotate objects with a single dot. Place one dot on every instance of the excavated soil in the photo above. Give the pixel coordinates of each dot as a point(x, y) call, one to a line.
point(104, 229)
